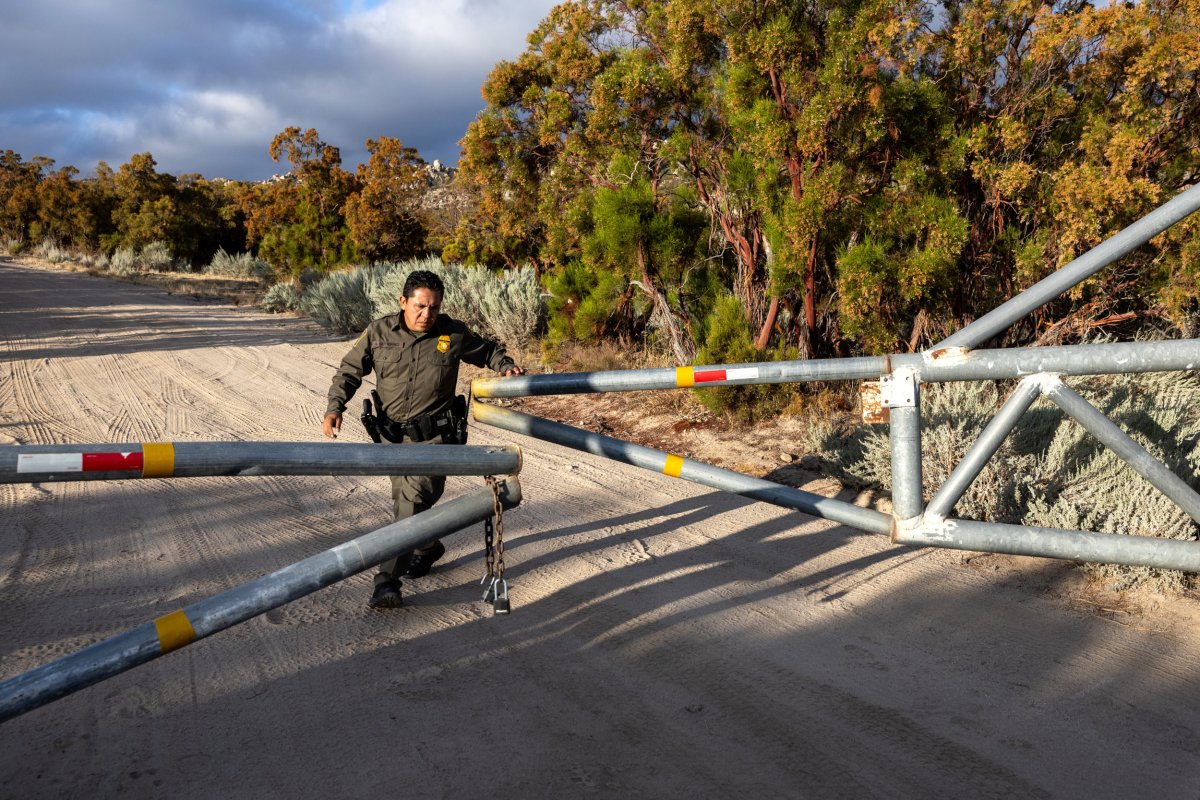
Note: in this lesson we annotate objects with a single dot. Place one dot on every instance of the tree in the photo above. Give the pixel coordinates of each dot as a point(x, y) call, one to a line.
point(298, 222)
point(383, 216)
point(18, 193)
point(62, 214)
point(145, 209)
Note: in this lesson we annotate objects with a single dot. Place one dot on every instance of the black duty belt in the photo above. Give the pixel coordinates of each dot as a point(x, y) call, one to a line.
point(418, 429)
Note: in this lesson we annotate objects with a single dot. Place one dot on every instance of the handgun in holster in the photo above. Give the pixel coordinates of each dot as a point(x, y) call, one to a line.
point(371, 421)
point(458, 414)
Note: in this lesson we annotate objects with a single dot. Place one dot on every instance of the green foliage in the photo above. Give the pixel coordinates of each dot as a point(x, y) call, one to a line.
point(1050, 472)
point(566, 289)
point(727, 341)
point(281, 297)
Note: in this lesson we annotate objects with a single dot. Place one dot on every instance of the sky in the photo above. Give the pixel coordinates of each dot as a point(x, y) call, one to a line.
point(205, 85)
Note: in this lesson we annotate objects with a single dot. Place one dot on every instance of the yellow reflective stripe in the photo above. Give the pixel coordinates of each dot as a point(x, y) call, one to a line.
point(158, 459)
point(174, 631)
point(479, 388)
point(685, 376)
point(674, 466)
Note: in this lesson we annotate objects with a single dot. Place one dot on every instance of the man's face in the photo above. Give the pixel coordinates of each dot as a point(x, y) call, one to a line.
point(421, 310)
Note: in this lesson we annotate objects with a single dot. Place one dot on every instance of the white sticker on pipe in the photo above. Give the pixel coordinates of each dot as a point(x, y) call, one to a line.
point(741, 373)
point(50, 462)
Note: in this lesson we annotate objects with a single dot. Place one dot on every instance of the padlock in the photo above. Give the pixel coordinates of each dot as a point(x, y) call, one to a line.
point(489, 593)
point(501, 606)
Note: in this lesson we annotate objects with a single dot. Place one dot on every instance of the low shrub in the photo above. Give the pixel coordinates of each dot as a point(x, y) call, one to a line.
point(280, 298)
point(93, 260)
point(1050, 472)
point(14, 246)
point(240, 265)
point(49, 250)
point(156, 257)
point(505, 306)
point(341, 302)
point(124, 262)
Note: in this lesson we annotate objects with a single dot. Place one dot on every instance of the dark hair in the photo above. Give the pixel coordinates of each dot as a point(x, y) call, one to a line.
point(423, 279)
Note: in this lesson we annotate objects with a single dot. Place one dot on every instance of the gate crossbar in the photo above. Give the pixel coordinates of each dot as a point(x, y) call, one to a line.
point(82, 462)
point(172, 631)
point(675, 466)
point(933, 366)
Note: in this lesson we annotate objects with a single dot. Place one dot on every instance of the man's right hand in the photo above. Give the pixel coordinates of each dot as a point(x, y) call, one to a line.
point(332, 424)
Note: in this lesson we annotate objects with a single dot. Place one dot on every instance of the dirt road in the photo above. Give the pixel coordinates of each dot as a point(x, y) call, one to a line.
point(666, 641)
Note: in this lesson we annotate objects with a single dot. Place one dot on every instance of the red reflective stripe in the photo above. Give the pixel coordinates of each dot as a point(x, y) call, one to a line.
point(108, 462)
point(710, 375)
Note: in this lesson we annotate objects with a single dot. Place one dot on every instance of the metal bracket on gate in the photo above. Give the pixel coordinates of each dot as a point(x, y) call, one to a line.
point(898, 390)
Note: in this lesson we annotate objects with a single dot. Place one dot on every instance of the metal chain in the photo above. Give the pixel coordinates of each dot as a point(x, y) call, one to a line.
point(490, 524)
point(496, 592)
point(498, 511)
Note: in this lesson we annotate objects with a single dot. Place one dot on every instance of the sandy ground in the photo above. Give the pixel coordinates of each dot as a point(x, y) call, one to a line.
point(666, 640)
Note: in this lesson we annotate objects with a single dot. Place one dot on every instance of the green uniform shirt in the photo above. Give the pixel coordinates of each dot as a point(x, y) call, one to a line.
point(415, 373)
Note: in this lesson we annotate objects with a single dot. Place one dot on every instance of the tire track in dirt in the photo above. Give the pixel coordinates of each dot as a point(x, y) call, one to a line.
point(40, 422)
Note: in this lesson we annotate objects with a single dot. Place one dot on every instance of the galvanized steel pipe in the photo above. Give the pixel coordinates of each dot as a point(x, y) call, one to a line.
point(82, 462)
point(176, 629)
point(905, 437)
point(678, 467)
point(938, 365)
point(1124, 447)
point(1104, 548)
point(628, 380)
point(989, 441)
point(1079, 270)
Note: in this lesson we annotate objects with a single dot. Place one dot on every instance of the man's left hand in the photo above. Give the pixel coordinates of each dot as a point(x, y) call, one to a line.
point(512, 371)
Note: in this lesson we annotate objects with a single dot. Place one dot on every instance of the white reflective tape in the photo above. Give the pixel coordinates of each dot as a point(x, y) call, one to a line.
point(741, 373)
point(50, 462)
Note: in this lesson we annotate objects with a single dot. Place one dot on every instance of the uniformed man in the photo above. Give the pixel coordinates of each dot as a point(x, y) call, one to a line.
point(415, 356)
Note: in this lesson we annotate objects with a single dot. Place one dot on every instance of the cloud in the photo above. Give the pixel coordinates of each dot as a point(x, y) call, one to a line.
point(205, 87)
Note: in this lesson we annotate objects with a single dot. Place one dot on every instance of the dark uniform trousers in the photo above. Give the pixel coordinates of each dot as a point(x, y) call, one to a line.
point(411, 494)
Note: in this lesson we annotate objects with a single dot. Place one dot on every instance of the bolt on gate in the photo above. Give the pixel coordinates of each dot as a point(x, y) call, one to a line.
point(1040, 369)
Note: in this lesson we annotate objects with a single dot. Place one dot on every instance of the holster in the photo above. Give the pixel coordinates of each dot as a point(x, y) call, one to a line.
point(370, 422)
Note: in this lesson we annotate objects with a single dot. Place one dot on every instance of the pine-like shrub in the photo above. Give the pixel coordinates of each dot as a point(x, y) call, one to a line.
point(240, 265)
point(727, 340)
point(280, 298)
point(1050, 472)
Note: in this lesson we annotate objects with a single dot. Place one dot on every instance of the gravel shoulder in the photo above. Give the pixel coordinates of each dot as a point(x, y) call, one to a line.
point(666, 640)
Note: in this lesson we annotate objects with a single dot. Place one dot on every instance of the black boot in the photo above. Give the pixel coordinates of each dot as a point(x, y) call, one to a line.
point(421, 563)
point(386, 594)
